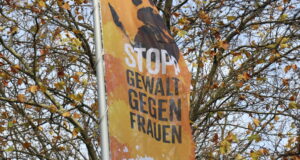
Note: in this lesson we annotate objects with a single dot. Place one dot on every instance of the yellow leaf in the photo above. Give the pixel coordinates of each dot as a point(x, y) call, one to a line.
point(293, 105)
point(231, 18)
point(40, 128)
point(53, 109)
point(77, 97)
point(33, 89)
point(41, 3)
point(255, 27)
point(239, 157)
point(255, 155)
point(225, 147)
point(14, 29)
point(283, 17)
point(59, 85)
point(76, 42)
point(284, 46)
point(284, 40)
point(256, 122)
point(236, 58)
point(181, 33)
point(271, 46)
point(66, 114)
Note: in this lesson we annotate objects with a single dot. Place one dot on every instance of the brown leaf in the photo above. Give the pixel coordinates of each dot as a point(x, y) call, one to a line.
point(205, 17)
point(224, 45)
point(66, 6)
point(285, 82)
point(21, 98)
point(215, 139)
point(287, 68)
point(53, 109)
point(15, 68)
point(76, 115)
point(26, 145)
point(20, 81)
point(295, 67)
point(245, 76)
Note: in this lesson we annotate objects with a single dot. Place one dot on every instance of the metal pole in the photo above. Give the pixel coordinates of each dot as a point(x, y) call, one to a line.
point(100, 82)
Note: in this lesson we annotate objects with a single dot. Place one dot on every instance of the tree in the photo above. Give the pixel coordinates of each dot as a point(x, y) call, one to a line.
point(243, 55)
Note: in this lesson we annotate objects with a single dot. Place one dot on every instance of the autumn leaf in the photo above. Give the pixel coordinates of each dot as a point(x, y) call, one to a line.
point(74, 133)
point(10, 124)
point(245, 76)
point(15, 68)
point(14, 29)
point(239, 157)
point(231, 18)
point(66, 6)
point(254, 137)
point(255, 155)
point(76, 78)
point(21, 98)
point(287, 68)
point(59, 85)
point(223, 44)
point(76, 115)
point(285, 82)
point(255, 27)
point(20, 81)
point(250, 127)
point(53, 109)
point(256, 122)
point(77, 97)
point(293, 105)
point(26, 145)
point(41, 3)
point(225, 147)
point(205, 17)
point(236, 58)
point(40, 128)
point(33, 89)
point(61, 148)
point(181, 33)
point(66, 114)
point(283, 17)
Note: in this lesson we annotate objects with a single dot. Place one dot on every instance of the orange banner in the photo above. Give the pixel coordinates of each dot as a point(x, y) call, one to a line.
point(147, 84)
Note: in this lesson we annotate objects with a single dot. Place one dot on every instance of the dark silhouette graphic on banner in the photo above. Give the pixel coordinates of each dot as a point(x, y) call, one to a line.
point(153, 34)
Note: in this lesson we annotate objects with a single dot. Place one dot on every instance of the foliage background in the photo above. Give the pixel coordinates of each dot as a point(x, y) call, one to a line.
point(243, 55)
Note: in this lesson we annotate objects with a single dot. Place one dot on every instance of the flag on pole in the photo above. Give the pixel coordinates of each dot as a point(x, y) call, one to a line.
point(147, 84)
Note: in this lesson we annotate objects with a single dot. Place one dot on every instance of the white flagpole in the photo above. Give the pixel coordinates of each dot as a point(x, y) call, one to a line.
point(100, 82)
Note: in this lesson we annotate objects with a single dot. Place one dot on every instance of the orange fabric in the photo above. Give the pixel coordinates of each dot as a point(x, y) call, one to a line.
point(147, 82)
